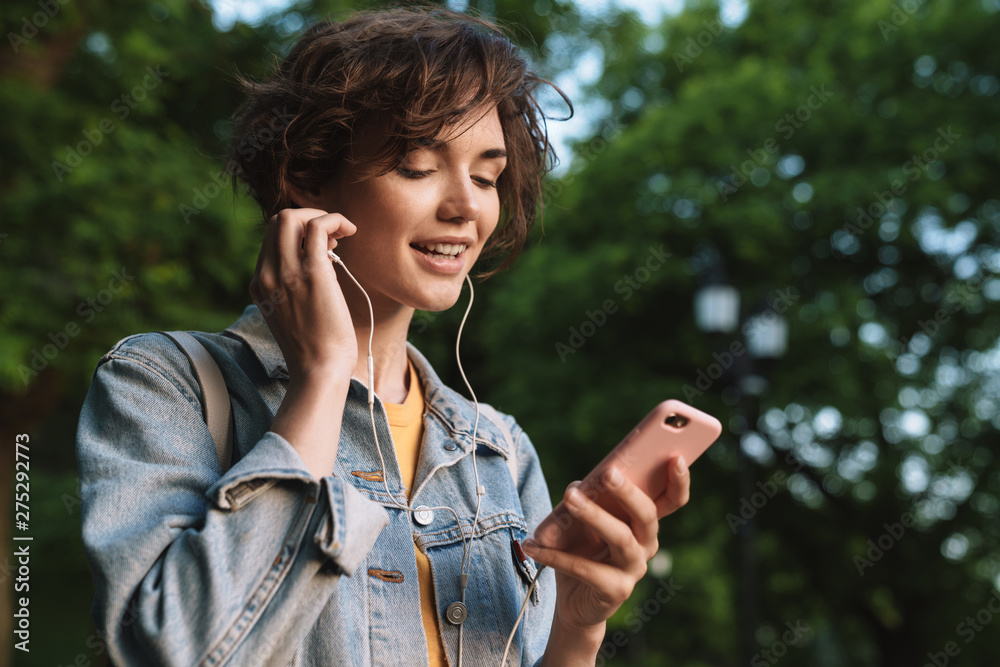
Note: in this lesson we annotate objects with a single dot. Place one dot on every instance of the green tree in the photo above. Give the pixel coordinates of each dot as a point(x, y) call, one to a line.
point(775, 145)
point(118, 218)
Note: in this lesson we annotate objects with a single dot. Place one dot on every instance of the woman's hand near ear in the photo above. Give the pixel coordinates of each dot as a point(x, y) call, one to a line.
point(296, 289)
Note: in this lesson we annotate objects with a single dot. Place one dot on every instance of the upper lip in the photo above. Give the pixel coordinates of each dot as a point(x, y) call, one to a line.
point(455, 240)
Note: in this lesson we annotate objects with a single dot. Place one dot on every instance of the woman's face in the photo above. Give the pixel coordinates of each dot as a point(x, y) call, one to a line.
point(444, 191)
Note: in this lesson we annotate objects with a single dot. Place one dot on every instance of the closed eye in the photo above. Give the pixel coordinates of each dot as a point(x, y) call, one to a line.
point(417, 173)
point(413, 173)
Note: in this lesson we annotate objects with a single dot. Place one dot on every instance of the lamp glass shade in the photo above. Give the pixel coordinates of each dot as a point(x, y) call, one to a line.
point(717, 308)
point(766, 335)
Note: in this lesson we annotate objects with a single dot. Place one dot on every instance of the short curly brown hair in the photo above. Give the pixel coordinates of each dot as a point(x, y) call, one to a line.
point(423, 68)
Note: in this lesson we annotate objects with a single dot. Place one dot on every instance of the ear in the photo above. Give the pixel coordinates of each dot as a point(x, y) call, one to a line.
point(307, 198)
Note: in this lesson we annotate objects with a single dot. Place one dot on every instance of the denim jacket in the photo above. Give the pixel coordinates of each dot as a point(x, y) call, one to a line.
point(265, 564)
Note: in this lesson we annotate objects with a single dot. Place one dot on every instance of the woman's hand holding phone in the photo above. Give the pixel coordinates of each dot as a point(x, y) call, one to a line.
point(600, 537)
point(296, 288)
point(589, 591)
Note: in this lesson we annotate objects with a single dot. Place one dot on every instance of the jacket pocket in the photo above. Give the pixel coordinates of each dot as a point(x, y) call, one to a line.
point(241, 494)
point(449, 532)
point(524, 565)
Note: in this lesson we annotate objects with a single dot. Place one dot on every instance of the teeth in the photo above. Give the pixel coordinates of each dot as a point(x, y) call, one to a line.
point(444, 248)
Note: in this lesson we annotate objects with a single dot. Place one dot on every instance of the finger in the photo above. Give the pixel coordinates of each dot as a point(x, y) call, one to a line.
point(678, 490)
point(321, 235)
point(617, 534)
point(639, 507)
point(265, 271)
point(608, 580)
point(346, 228)
point(291, 224)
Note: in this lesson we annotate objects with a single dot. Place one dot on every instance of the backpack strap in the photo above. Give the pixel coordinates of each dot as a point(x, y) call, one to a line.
point(215, 407)
point(490, 413)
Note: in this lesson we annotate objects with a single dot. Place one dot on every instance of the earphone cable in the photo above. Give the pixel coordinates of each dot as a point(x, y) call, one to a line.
point(520, 615)
point(480, 489)
point(371, 411)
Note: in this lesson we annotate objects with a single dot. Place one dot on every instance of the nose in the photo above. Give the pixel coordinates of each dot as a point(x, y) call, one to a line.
point(460, 201)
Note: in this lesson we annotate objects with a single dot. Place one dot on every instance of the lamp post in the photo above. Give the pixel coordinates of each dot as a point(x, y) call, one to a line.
point(764, 335)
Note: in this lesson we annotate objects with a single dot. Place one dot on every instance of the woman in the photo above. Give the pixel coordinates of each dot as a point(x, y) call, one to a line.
point(408, 141)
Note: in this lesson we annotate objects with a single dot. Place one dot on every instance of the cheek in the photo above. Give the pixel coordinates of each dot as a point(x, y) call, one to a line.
point(388, 210)
point(491, 214)
point(487, 231)
point(407, 202)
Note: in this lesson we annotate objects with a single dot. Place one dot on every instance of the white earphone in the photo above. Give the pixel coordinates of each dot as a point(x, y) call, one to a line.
point(457, 612)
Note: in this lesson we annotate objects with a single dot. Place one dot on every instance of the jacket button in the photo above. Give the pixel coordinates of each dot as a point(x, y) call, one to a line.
point(450, 446)
point(423, 515)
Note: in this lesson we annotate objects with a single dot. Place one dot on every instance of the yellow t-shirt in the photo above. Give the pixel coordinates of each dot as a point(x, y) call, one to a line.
point(407, 427)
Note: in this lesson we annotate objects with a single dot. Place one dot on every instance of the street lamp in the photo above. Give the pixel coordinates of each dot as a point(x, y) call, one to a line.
point(765, 336)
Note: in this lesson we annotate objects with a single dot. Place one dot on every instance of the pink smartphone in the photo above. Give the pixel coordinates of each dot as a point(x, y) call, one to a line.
point(671, 428)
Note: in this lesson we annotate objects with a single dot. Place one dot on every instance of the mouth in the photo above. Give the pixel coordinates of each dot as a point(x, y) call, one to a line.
point(441, 258)
point(442, 250)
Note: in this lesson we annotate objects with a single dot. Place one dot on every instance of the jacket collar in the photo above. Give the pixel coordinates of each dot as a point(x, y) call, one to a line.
point(456, 412)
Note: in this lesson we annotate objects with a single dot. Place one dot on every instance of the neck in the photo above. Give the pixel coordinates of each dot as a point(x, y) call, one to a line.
point(392, 322)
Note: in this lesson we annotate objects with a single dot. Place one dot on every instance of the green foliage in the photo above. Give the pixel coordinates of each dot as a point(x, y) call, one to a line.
point(696, 168)
point(99, 165)
point(892, 319)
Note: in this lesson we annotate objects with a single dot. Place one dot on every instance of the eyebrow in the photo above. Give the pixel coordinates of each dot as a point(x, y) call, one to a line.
point(437, 144)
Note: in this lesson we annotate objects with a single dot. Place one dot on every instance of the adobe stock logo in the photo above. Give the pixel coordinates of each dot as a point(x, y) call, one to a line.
point(750, 506)
point(87, 310)
point(884, 542)
point(628, 285)
point(249, 149)
point(915, 168)
point(121, 107)
point(636, 619)
point(954, 301)
point(38, 21)
point(786, 126)
point(779, 648)
point(967, 629)
point(781, 300)
point(901, 13)
point(695, 46)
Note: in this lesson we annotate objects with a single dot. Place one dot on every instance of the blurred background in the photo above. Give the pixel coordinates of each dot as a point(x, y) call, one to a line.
point(784, 213)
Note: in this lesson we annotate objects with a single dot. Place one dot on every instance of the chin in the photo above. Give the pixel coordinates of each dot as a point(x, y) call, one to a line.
point(439, 302)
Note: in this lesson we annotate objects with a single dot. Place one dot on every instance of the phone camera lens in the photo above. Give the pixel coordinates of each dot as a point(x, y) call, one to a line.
point(676, 420)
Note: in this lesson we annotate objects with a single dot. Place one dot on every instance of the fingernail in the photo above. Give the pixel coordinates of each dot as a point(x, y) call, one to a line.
point(530, 546)
point(573, 497)
point(613, 477)
point(682, 465)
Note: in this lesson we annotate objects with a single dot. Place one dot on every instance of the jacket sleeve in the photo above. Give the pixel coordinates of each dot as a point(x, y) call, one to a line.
point(536, 505)
point(190, 567)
